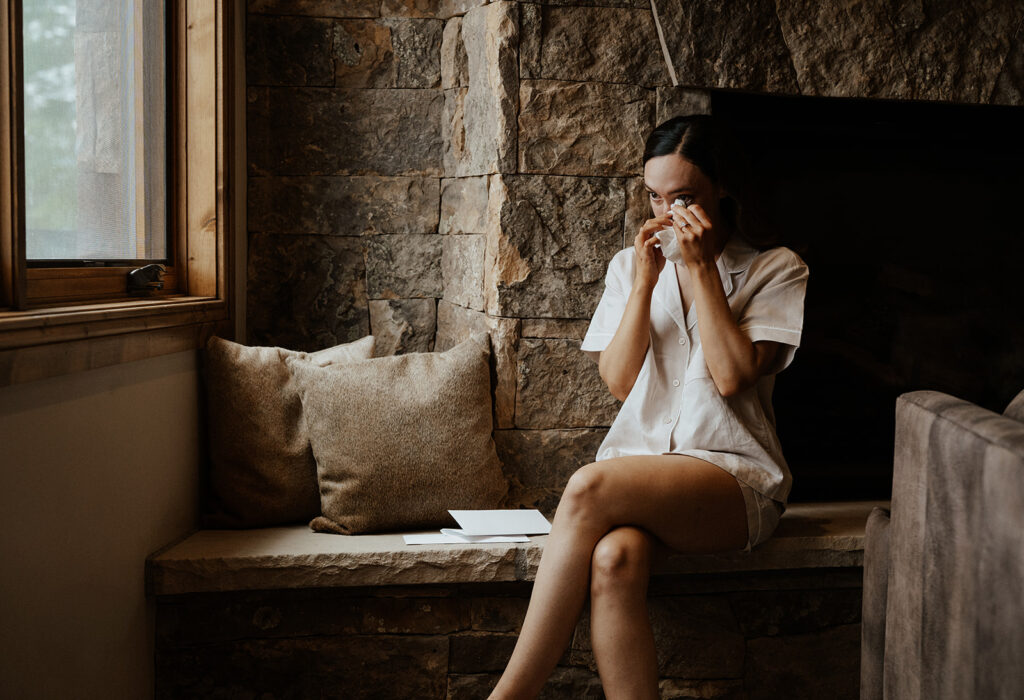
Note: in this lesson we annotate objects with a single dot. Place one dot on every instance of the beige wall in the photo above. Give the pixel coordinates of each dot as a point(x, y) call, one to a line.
point(99, 469)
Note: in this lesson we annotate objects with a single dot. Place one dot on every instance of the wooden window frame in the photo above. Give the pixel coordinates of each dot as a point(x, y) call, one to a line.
point(47, 326)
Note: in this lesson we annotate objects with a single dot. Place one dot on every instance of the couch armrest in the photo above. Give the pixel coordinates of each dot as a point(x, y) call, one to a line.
point(956, 544)
point(876, 580)
point(980, 423)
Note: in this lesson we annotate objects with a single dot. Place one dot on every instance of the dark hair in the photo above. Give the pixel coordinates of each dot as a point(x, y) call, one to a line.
point(710, 145)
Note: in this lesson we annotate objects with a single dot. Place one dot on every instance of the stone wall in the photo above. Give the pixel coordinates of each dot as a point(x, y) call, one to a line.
point(563, 146)
point(969, 52)
point(423, 170)
point(792, 635)
point(420, 169)
point(345, 165)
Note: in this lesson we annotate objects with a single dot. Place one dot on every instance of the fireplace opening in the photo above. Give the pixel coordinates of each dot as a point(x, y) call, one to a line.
point(910, 216)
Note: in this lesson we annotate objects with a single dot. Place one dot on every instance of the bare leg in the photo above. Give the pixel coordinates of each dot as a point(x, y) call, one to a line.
point(558, 595)
point(620, 626)
point(689, 504)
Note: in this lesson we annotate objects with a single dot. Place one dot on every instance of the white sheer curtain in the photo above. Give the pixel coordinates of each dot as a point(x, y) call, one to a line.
point(95, 124)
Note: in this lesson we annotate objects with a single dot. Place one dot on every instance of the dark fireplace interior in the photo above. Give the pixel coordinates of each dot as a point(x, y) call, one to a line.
point(909, 216)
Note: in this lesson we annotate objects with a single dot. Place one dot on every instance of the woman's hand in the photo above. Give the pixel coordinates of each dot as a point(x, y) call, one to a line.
point(649, 260)
point(695, 234)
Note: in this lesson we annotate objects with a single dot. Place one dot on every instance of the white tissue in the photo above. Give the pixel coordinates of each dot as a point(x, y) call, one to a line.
point(669, 243)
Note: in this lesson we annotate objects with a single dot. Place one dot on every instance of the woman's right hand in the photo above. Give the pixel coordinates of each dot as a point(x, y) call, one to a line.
point(649, 260)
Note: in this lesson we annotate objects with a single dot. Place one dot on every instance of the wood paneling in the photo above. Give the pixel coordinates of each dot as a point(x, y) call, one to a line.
point(52, 285)
point(41, 361)
point(203, 103)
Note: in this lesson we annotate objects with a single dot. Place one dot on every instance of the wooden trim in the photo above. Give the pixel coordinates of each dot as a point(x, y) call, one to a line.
point(53, 359)
point(115, 283)
point(94, 321)
point(54, 337)
point(224, 245)
point(178, 127)
point(54, 285)
point(46, 286)
point(203, 100)
point(101, 311)
point(12, 148)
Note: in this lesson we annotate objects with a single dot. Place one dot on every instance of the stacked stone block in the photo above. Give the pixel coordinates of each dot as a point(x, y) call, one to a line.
point(958, 52)
point(772, 635)
point(345, 159)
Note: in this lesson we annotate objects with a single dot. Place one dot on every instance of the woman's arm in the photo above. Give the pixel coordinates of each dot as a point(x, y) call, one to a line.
point(735, 363)
point(620, 362)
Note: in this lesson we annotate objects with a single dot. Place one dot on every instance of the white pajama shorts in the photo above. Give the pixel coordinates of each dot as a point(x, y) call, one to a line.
point(763, 515)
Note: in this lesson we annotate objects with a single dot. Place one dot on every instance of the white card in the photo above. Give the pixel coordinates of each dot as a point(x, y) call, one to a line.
point(502, 522)
point(461, 535)
point(430, 538)
point(443, 538)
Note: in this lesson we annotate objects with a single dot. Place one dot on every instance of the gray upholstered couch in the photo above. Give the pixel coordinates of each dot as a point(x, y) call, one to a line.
point(943, 613)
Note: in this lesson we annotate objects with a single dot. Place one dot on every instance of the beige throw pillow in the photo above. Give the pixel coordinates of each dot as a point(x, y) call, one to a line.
point(399, 440)
point(261, 467)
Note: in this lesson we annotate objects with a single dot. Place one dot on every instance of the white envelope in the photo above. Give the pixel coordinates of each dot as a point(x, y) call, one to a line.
point(446, 538)
point(502, 522)
point(464, 537)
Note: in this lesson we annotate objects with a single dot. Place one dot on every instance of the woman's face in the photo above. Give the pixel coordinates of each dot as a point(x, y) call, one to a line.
point(667, 178)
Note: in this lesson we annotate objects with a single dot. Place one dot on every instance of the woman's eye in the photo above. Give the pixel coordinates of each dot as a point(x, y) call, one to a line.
point(653, 195)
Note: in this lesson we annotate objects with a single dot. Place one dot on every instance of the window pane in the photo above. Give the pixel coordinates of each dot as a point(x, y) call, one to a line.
point(94, 85)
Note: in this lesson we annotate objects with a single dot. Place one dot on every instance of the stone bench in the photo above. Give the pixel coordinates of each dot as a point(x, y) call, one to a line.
point(809, 535)
point(238, 612)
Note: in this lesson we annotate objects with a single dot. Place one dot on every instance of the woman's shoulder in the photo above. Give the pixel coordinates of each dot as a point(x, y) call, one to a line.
point(777, 259)
point(621, 264)
point(624, 257)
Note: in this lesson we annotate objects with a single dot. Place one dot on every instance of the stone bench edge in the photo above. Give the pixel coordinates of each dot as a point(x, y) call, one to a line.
point(810, 535)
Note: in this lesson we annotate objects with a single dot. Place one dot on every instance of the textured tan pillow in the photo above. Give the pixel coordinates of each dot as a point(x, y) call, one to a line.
point(399, 440)
point(261, 467)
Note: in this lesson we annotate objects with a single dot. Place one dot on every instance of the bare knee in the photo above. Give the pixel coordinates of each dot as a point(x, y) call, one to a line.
point(621, 561)
point(583, 493)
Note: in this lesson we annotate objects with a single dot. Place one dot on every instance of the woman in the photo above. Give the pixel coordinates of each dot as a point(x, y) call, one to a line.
point(692, 460)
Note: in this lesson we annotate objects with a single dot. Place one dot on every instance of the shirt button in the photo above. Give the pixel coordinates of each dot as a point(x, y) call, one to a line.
point(667, 420)
point(675, 382)
point(682, 341)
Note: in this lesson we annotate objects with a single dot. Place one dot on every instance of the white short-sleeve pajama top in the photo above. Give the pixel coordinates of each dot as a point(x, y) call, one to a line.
point(674, 406)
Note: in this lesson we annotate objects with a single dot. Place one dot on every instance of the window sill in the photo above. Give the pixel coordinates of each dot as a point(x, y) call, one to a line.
point(46, 342)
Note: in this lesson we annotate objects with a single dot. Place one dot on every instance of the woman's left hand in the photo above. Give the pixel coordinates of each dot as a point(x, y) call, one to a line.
point(695, 234)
